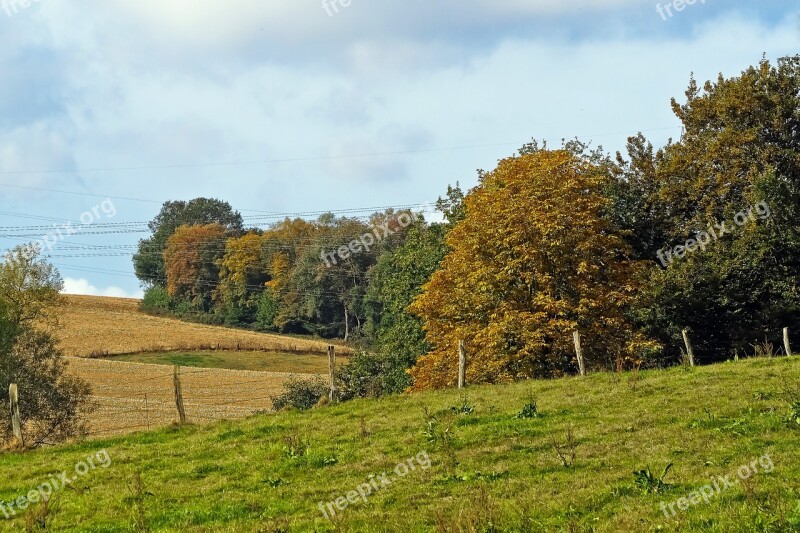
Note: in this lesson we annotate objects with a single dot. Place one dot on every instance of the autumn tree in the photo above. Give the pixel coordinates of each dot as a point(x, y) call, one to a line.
point(533, 260)
point(148, 262)
point(192, 259)
point(243, 277)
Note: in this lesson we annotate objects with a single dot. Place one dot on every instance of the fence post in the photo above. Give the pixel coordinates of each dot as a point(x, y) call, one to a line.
point(576, 336)
point(179, 395)
point(462, 365)
point(688, 343)
point(332, 371)
point(786, 342)
point(16, 425)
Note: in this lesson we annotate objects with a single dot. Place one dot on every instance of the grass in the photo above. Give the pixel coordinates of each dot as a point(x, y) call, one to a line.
point(492, 469)
point(258, 361)
point(99, 326)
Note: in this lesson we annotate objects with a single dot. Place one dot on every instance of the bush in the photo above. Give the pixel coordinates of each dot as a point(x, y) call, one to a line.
point(301, 394)
point(53, 404)
point(369, 375)
point(156, 301)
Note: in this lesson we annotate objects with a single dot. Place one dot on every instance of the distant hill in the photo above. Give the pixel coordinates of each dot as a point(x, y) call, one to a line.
point(92, 325)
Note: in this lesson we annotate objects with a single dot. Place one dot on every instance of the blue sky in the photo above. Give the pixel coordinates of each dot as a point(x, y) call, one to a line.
point(274, 105)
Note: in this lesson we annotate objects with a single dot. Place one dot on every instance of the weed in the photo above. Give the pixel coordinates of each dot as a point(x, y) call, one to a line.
point(648, 483)
point(633, 377)
point(566, 451)
point(139, 494)
point(464, 408)
point(296, 446)
point(763, 349)
point(274, 482)
point(439, 432)
point(529, 410)
point(39, 518)
point(363, 432)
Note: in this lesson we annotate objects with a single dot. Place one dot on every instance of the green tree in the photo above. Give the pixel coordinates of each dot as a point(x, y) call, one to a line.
point(740, 147)
point(53, 403)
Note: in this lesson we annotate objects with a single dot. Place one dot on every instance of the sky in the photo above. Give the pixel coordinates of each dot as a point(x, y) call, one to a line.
point(108, 109)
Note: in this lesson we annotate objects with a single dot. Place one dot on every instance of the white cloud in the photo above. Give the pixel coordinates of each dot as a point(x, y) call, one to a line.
point(82, 286)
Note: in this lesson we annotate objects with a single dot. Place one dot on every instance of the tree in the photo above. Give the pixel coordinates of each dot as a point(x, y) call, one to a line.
point(243, 275)
point(192, 258)
point(53, 403)
point(149, 260)
point(532, 261)
point(740, 147)
point(396, 335)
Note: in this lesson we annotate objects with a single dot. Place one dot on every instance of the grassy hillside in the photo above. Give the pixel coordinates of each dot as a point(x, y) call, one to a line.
point(114, 326)
point(488, 466)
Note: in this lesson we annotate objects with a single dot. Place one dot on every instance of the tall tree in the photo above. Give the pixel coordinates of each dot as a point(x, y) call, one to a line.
point(192, 258)
point(148, 262)
point(533, 260)
point(740, 147)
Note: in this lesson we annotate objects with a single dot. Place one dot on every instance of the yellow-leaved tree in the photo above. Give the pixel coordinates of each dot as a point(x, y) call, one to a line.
point(532, 261)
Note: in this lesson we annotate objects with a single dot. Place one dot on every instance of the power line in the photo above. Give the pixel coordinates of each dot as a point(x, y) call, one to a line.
point(291, 159)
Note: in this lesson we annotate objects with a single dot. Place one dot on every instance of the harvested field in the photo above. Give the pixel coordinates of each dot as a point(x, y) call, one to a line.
point(136, 397)
point(92, 326)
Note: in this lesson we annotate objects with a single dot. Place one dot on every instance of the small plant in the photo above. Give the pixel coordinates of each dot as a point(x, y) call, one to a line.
point(648, 483)
point(633, 378)
point(529, 410)
point(566, 451)
point(464, 408)
point(274, 482)
point(139, 494)
point(439, 432)
point(363, 432)
point(40, 517)
point(794, 415)
point(763, 349)
point(296, 446)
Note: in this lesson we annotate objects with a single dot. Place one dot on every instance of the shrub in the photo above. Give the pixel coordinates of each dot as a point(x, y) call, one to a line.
point(300, 394)
point(156, 301)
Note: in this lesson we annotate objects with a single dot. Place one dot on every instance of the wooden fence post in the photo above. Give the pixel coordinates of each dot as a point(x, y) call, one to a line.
point(786, 342)
point(16, 425)
point(332, 371)
point(688, 343)
point(576, 336)
point(179, 395)
point(462, 365)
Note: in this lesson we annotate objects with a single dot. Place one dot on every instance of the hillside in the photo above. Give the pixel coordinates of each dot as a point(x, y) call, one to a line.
point(111, 326)
point(269, 473)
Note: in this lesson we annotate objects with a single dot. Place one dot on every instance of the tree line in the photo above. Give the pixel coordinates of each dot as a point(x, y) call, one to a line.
point(551, 241)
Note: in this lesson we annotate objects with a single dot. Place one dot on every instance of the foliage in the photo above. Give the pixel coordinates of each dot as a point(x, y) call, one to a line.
point(52, 403)
point(148, 262)
point(156, 301)
point(397, 336)
point(532, 261)
point(739, 148)
point(300, 394)
point(191, 259)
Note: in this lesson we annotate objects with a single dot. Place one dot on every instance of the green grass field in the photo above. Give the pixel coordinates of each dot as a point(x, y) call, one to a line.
point(490, 469)
point(261, 361)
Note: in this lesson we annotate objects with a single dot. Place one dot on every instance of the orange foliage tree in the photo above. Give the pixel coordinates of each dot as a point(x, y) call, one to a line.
point(191, 260)
point(532, 261)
